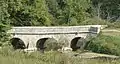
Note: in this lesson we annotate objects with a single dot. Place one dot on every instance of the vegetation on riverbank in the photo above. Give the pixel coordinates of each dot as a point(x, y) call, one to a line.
point(9, 56)
point(105, 44)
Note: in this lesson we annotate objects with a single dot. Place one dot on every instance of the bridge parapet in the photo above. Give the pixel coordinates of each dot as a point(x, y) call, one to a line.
point(56, 29)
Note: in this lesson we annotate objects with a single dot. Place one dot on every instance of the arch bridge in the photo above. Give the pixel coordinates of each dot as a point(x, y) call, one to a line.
point(35, 37)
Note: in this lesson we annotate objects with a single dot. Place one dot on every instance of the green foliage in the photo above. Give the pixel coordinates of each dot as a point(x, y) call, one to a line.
point(46, 12)
point(105, 44)
point(52, 44)
point(29, 13)
point(69, 12)
point(4, 21)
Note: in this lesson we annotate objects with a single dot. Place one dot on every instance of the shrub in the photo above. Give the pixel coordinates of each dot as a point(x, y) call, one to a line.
point(52, 44)
point(105, 44)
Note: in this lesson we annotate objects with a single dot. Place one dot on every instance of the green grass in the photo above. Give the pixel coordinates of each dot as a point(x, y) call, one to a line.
point(9, 56)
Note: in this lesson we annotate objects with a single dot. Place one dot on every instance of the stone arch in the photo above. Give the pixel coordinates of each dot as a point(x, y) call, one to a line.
point(41, 43)
point(17, 43)
point(77, 43)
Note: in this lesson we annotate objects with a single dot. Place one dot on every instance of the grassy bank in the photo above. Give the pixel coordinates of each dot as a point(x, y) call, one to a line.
point(8, 56)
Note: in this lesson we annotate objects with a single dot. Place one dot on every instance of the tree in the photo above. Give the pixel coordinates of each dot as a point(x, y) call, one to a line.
point(69, 12)
point(109, 8)
point(4, 21)
point(29, 13)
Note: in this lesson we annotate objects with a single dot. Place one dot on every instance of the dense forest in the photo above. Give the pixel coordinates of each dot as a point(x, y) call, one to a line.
point(57, 13)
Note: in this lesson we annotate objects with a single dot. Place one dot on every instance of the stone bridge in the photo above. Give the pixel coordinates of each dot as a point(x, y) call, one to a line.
point(35, 37)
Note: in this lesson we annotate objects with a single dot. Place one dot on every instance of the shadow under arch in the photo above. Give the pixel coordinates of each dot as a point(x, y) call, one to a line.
point(77, 43)
point(17, 43)
point(46, 44)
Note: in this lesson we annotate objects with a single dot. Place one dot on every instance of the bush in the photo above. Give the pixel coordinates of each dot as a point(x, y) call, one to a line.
point(105, 44)
point(52, 44)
